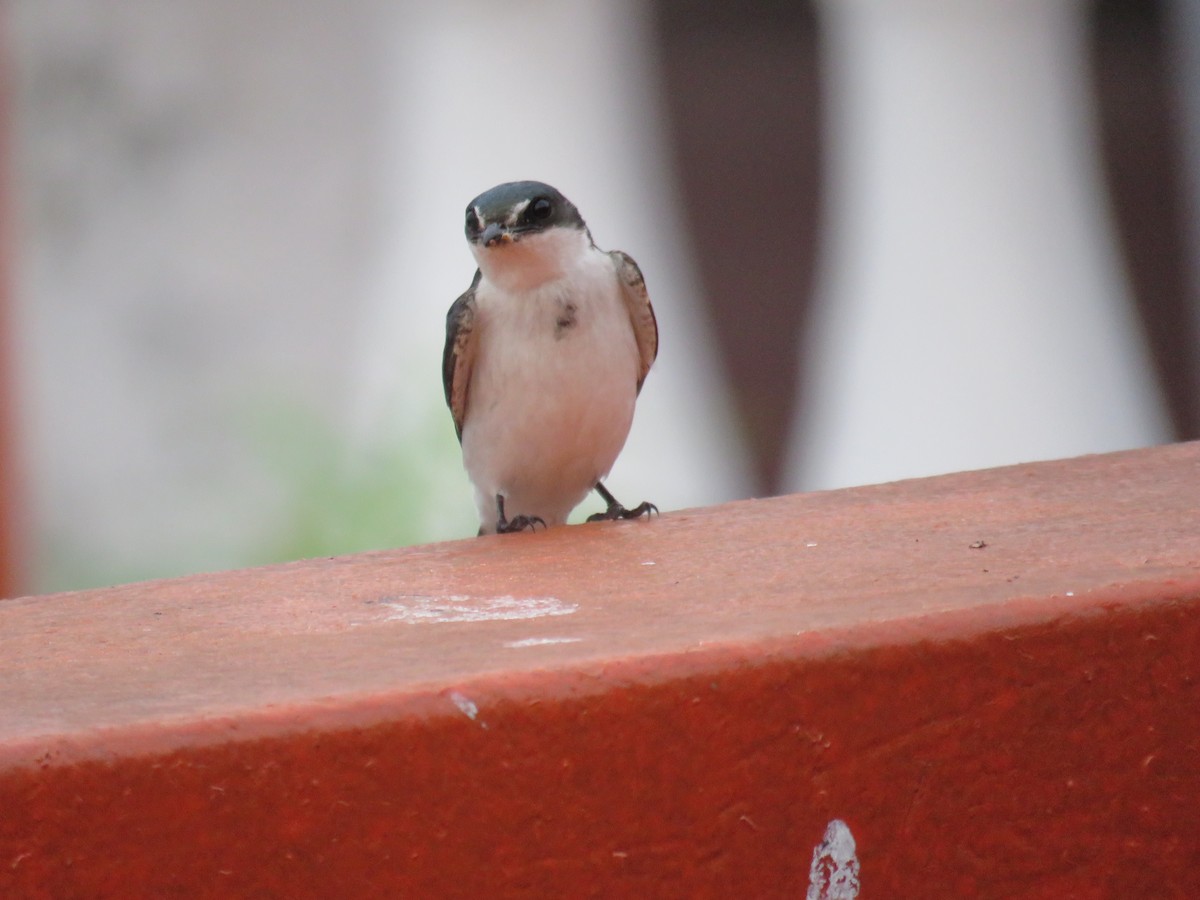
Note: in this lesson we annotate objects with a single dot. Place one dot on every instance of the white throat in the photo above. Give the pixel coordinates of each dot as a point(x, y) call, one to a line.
point(532, 260)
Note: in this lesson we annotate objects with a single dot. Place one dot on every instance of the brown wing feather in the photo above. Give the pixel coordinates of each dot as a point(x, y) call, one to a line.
point(459, 354)
point(641, 313)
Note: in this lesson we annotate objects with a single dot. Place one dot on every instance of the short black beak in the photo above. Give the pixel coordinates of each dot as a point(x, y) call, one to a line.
point(494, 233)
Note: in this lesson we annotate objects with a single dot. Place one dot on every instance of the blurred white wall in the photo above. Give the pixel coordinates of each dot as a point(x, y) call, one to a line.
point(972, 307)
point(238, 229)
point(193, 193)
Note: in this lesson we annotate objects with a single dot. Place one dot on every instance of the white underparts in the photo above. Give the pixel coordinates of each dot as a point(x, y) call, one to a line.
point(554, 383)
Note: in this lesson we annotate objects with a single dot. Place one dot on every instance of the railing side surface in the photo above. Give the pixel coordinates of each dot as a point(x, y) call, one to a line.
point(991, 678)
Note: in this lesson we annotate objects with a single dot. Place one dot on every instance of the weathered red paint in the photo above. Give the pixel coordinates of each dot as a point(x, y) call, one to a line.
point(1018, 719)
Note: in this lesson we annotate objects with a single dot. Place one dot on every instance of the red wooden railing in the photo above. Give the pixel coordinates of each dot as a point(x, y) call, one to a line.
point(984, 684)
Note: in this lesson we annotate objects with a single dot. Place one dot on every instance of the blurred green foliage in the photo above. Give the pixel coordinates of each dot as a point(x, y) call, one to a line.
point(340, 498)
point(315, 492)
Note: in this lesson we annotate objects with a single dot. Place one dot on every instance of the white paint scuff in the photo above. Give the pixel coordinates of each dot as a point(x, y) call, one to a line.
point(537, 642)
point(429, 609)
point(833, 874)
point(466, 706)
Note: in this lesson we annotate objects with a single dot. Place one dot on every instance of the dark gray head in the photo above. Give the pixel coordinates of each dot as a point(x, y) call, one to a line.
point(509, 211)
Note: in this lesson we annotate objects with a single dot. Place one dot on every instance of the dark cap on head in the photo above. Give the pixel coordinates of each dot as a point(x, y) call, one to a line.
point(516, 208)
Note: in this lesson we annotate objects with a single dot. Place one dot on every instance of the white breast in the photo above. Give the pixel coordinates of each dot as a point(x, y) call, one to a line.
point(552, 390)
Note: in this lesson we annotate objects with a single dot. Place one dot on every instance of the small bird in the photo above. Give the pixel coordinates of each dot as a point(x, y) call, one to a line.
point(545, 357)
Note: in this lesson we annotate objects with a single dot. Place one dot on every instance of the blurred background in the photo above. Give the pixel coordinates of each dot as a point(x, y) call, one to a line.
point(884, 239)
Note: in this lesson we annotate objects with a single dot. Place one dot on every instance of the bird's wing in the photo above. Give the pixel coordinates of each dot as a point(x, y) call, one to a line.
point(641, 313)
point(459, 354)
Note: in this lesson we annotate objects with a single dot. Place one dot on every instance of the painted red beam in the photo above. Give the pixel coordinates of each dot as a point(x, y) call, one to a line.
point(992, 679)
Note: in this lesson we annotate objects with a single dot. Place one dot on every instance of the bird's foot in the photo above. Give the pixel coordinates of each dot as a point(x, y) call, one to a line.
point(617, 511)
point(505, 525)
point(519, 523)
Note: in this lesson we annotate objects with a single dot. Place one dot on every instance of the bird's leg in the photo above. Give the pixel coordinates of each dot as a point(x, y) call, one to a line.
point(616, 510)
point(505, 525)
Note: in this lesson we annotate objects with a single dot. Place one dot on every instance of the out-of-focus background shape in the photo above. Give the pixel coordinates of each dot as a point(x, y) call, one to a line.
point(884, 238)
point(971, 306)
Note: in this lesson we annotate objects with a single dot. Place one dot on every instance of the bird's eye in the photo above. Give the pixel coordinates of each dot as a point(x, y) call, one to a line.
point(540, 209)
point(472, 220)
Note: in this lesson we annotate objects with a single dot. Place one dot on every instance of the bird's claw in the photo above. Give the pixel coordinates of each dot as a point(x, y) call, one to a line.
point(505, 525)
point(519, 523)
point(617, 511)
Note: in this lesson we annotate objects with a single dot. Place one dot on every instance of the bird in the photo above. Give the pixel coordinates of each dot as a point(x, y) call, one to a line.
point(544, 360)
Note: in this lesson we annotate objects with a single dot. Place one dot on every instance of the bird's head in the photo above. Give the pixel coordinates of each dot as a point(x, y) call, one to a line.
point(524, 233)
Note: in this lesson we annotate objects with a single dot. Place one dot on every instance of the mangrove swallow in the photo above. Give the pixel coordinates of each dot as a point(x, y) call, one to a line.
point(545, 356)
